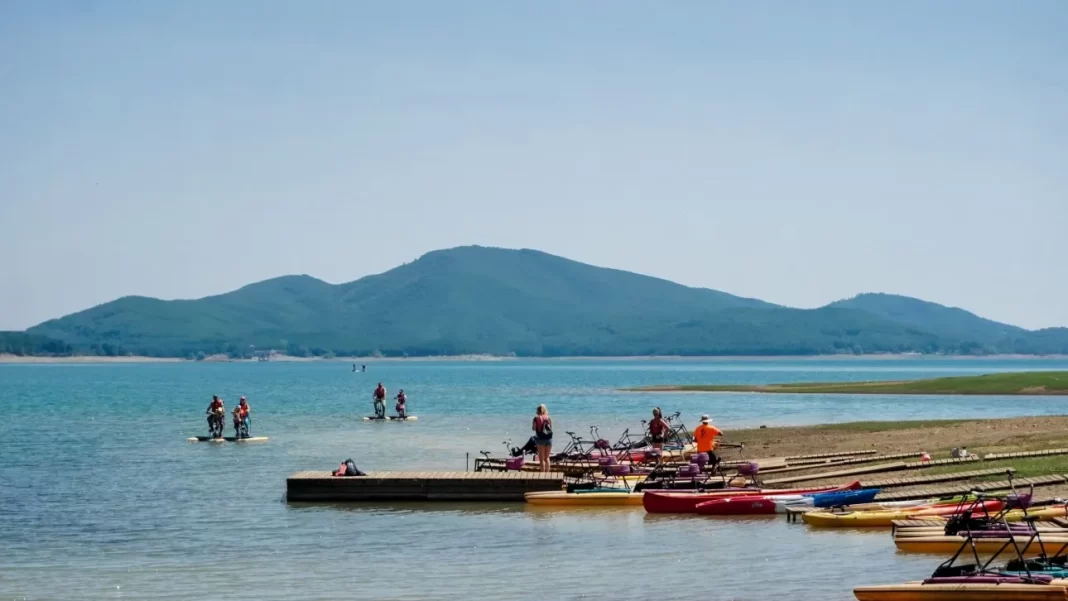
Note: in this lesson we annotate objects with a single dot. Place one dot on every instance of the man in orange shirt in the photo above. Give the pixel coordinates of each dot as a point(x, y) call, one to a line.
point(705, 437)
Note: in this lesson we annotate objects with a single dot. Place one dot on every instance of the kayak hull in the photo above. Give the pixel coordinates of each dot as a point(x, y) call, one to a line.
point(755, 505)
point(950, 544)
point(581, 499)
point(656, 501)
point(961, 592)
point(884, 519)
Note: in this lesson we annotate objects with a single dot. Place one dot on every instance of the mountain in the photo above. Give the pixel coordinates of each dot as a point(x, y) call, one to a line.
point(501, 301)
point(974, 332)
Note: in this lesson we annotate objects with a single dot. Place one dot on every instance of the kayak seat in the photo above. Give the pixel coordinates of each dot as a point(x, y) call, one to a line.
point(689, 470)
point(618, 470)
point(605, 461)
point(1017, 501)
point(700, 459)
point(748, 469)
point(514, 463)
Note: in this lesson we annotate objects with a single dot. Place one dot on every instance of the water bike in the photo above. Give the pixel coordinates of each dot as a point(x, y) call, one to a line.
point(1035, 571)
point(216, 423)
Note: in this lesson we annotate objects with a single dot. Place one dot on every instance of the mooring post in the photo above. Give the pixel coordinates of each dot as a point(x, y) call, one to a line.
point(467, 462)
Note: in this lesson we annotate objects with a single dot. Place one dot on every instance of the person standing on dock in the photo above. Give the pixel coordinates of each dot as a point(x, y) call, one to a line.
point(658, 429)
point(543, 436)
point(705, 437)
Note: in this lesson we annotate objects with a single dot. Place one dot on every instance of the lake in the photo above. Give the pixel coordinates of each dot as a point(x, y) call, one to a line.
point(101, 497)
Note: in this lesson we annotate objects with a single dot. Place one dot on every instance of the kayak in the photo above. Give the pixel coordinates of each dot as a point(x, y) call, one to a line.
point(948, 544)
point(964, 591)
point(880, 519)
point(751, 505)
point(584, 499)
point(682, 501)
point(769, 504)
point(1016, 528)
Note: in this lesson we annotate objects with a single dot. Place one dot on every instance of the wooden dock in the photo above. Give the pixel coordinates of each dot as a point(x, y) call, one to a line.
point(945, 491)
point(321, 486)
point(871, 469)
point(951, 477)
point(1025, 454)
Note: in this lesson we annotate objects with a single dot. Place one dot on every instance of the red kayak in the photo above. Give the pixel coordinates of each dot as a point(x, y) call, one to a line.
point(754, 505)
point(686, 501)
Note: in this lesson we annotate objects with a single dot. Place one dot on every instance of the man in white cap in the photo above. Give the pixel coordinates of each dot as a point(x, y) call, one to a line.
point(705, 437)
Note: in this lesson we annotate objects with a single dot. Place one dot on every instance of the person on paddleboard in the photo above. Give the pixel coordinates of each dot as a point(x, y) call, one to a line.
point(380, 401)
point(245, 413)
point(402, 411)
point(705, 437)
point(216, 411)
point(658, 430)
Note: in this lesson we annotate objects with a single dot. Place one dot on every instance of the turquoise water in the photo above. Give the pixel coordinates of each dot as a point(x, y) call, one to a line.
point(101, 497)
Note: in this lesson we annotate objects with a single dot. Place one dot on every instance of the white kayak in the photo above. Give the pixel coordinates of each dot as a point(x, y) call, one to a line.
point(227, 439)
point(390, 418)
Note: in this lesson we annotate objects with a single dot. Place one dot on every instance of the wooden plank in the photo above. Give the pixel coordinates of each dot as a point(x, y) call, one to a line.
point(1019, 454)
point(829, 455)
point(967, 488)
point(950, 477)
point(484, 486)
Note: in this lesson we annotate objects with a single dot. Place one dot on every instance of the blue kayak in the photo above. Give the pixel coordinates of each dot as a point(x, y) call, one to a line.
point(844, 497)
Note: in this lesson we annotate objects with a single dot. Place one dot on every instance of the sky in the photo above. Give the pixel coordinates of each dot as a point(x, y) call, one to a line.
point(795, 152)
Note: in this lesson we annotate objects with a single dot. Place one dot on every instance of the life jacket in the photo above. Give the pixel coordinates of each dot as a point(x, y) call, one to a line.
point(657, 427)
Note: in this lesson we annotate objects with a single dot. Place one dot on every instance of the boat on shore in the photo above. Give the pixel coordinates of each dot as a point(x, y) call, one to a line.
point(595, 498)
point(683, 501)
point(885, 519)
point(771, 504)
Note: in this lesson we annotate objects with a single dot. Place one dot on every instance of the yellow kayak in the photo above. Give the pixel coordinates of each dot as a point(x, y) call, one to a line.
point(584, 499)
point(875, 519)
point(950, 544)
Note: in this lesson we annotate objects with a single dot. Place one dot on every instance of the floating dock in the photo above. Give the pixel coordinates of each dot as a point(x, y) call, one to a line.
point(321, 486)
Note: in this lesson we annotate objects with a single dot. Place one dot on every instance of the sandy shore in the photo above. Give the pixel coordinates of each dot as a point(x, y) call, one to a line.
point(6, 358)
point(935, 437)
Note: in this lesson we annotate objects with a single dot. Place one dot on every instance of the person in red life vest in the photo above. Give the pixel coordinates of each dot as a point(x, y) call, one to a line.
point(244, 412)
point(380, 401)
point(216, 412)
point(658, 430)
point(402, 411)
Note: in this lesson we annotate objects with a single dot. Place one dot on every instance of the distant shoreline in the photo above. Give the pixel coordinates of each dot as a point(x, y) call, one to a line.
point(9, 358)
point(1033, 383)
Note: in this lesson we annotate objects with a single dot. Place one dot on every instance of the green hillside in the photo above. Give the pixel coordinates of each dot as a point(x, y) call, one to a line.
point(490, 300)
point(976, 334)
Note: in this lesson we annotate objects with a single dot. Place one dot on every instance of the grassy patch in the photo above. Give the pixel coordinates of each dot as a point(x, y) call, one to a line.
point(1019, 383)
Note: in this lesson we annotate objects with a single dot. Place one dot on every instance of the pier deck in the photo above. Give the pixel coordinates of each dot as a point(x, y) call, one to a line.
point(419, 486)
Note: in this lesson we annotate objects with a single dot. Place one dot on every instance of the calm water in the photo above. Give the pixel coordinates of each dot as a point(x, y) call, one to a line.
point(101, 497)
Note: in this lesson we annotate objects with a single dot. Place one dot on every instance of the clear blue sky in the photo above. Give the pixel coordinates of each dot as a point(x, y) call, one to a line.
point(795, 152)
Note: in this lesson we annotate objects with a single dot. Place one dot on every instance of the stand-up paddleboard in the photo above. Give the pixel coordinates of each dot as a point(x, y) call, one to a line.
point(390, 418)
point(227, 439)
